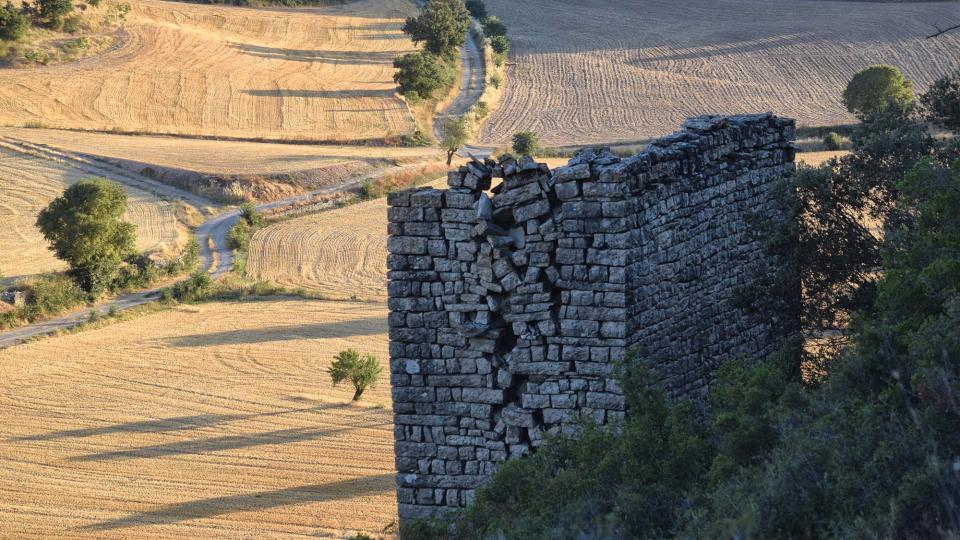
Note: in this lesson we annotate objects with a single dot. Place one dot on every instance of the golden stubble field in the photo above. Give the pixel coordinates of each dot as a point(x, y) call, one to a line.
point(29, 183)
point(591, 71)
point(214, 421)
point(311, 73)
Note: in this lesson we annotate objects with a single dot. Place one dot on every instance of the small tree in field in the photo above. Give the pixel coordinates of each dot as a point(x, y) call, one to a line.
point(876, 89)
point(525, 143)
point(84, 229)
point(454, 135)
point(442, 25)
point(361, 372)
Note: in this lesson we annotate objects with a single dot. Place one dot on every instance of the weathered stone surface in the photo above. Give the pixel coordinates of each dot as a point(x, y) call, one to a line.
point(509, 313)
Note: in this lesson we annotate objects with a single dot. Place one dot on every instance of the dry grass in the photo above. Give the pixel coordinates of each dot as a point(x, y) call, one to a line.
point(338, 253)
point(210, 421)
point(611, 70)
point(28, 184)
point(313, 74)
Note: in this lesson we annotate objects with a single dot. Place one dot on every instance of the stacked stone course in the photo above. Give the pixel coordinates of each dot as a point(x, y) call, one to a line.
point(511, 303)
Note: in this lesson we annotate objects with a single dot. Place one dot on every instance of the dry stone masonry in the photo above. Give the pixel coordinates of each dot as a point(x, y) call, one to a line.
point(511, 303)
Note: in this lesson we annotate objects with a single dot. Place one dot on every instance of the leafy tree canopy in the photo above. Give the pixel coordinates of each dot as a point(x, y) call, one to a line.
point(84, 229)
point(423, 73)
point(362, 372)
point(876, 89)
point(442, 25)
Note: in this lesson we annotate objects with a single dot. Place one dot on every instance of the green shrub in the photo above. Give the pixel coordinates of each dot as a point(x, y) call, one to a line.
point(53, 11)
point(500, 45)
point(238, 237)
point(876, 89)
point(481, 110)
point(477, 9)
point(833, 141)
point(525, 143)
point(50, 295)
point(423, 73)
point(250, 214)
point(193, 289)
point(13, 24)
point(496, 80)
point(942, 102)
point(361, 372)
point(494, 27)
point(371, 189)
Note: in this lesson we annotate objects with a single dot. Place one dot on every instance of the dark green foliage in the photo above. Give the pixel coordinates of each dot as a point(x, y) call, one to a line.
point(942, 102)
point(250, 214)
point(84, 229)
point(425, 530)
point(423, 73)
point(525, 143)
point(500, 45)
point(877, 89)
point(870, 449)
point(361, 372)
point(442, 26)
point(832, 141)
point(13, 24)
point(51, 294)
point(454, 135)
point(604, 483)
point(193, 289)
point(494, 27)
point(238, 237)
point(477, 9)
point(52, 12)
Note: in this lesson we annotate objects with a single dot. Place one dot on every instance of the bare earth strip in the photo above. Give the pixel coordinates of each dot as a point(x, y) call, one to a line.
point(28, 184)
point(213, 421)
point(619, 70)
point(181, 68)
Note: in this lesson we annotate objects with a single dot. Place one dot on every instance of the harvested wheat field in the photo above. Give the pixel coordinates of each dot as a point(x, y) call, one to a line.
point(589, 71)
point(28, 184)
point(218, 157)
point(312, 74)
point(210, 421)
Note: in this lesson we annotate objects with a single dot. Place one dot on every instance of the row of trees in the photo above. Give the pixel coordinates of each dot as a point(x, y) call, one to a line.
point(442, 27)
point(858, 440)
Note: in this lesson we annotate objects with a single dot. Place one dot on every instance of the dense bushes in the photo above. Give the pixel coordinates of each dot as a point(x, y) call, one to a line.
point(13, 24)
point(865, 447)
point(876, 89)
point(85, 229)
point(832, 141)
point(942, 102)
point(423, 75)
point(525, 143)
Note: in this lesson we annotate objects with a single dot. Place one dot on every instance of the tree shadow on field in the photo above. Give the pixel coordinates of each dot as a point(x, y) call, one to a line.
point(356, 58)
point(165, 425)
point(248, 502)
point(328, 94)
point(368, 326)
point(226, 442)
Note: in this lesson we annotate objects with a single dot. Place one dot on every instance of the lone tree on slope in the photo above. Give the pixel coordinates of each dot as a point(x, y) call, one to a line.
point(442, 25)
point(84, 229)
point(454, 135)
point(525, 143)
point(361, 372)
point(876, 89)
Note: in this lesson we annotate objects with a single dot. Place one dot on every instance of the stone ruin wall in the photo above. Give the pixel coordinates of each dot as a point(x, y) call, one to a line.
point(509, 306)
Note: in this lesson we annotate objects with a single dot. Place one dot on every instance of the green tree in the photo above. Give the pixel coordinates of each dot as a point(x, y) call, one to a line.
point(53, 11)
point(250, 214)
point(876, 89)
point(832, 141)
point(494, 27)
point(423, 73)
point(525, 143)
point(500, 45)
point(361, 372)
point(13, 24)
point(942, 102)
point(454, 135)
point(477, 9)
point(442, 25)
point(84, 229)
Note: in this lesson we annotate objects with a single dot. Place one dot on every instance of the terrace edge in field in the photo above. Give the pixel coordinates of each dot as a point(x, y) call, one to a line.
point(509, 311)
